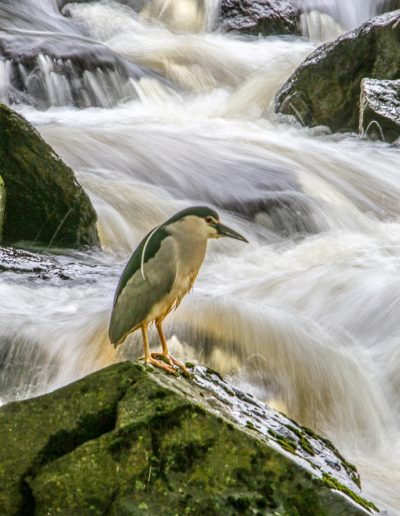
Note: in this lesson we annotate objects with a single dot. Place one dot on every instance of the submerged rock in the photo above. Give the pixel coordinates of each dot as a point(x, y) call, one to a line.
point(287, 213)
point(259, 16)
point(380, 109)
point(45, 204)
point(52, 69)
point(325, 88)
point(129, 439)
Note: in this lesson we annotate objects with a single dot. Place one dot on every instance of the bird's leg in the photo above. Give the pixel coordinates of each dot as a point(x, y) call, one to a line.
point(165, 352)
point(148, 358)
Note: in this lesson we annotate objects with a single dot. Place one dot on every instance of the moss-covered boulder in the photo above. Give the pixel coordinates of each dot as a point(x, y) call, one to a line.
point(380, 109)
point(2, 206)
point(259, 16)
point(129, 440)
point(45, 204)
point(325, 89)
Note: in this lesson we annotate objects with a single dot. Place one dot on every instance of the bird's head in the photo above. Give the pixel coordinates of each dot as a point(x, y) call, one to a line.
point(207, 221)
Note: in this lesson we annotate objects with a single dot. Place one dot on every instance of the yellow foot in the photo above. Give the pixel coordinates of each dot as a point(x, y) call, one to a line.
point(160, 364)
point(173, 362)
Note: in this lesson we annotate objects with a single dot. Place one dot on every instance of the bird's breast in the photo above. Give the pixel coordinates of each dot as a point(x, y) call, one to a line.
point(190, 253)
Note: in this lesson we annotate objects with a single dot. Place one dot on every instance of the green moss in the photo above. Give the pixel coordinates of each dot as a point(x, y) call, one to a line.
point(351, 470)
point(126, 441)
point(303, 441)
point(332, 482)
point(213, 371)
point(286, 443)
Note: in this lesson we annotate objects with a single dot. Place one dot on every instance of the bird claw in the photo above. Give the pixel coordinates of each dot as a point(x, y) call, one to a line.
point(172, 361)
point(160, 364)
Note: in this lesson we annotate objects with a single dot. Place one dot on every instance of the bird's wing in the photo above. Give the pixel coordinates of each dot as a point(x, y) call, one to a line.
point(147, 278)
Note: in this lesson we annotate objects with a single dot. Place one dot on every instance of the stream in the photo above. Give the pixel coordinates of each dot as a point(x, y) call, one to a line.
point(174, 112)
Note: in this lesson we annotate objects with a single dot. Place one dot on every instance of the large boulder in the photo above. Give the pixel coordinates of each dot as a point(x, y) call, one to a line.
point(128, 439)
point(325, 89)
point(259, 16)
point(45, 205)
point(380, 109)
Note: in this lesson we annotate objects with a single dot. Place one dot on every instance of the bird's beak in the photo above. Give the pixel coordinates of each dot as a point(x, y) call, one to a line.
point(224, 231)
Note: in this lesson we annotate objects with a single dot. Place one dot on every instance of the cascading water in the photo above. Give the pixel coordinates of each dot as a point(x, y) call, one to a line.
point(326, 19)
point(306, 315)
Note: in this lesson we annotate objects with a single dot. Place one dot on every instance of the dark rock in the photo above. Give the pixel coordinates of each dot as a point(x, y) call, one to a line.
point(259, 16)
point(284, 212)
point(2, 206)
point(45, 204)
point(380, 109)
point(325, 89)
point(129, 439)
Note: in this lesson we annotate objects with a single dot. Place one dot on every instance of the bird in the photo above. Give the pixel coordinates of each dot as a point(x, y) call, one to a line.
point(160, 272)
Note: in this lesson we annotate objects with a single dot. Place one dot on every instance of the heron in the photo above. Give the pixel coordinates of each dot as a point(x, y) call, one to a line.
point(160, 272)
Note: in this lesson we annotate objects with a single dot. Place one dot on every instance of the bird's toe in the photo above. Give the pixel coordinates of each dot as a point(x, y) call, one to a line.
point(172, 361)
point(181, 366)
point(161, 365)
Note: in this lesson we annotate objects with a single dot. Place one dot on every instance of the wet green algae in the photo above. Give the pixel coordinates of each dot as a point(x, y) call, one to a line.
point(123, 442)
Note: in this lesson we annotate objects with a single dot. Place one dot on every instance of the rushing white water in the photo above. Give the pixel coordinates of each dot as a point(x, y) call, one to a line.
point(325, 19)
point(306, 315)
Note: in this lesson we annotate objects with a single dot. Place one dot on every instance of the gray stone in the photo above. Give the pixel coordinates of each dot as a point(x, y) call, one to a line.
point(325, 88)
point(380, 109)
point(259, 16)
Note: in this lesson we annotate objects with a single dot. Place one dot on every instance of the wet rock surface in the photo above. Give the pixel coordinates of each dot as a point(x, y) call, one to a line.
point(380, 109)
point(44, 203)
point(129, 439)
point(259, 16)
point(2, 206)
point(22, 266)
point(325, 89)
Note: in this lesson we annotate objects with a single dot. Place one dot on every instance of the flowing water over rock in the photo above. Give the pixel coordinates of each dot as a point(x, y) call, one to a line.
point(306, 315)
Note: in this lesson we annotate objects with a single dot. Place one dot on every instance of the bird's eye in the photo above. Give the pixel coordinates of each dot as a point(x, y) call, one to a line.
point(209, 220)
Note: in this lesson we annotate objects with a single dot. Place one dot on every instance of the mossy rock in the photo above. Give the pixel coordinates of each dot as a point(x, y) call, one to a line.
point(2, 206)
point(325, 88)
point(129, 440)
point(45, 205)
